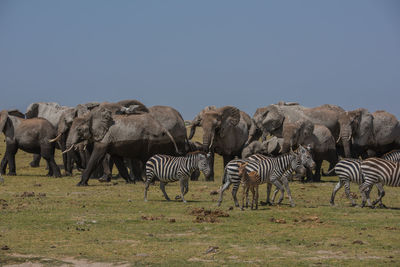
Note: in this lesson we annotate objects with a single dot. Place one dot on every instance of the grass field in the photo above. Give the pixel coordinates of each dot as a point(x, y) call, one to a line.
point(52, 222)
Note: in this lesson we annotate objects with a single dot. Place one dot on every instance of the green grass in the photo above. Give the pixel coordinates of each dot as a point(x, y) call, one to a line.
point(111, 223)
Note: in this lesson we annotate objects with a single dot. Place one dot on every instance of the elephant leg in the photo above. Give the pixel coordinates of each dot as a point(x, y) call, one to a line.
point(221, 193)
point(137, 170)
point(195, 175)
point(36, 161)
point(162, 187)
point(47, 152)
point(210, 176)
point(335, 190)
point(4, 163)
point(317, 173)
point(98, 154)
point(106, 177)
point(11, 150)
point(119, 162)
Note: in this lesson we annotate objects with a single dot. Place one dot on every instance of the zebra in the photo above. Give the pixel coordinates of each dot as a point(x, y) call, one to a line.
point(377, 170)
point(170, 169)
point(272, 170)
point(393, 155)
point(349, 170)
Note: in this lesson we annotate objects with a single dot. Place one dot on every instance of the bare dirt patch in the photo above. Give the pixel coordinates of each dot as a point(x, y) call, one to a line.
point(207, 215)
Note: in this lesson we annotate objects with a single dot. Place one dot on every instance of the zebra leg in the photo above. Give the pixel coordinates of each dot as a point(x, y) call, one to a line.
point(285, 183)
point(256, 198)
point(243, 196)
point(364, 190)
point(247, 197)
point(182, 184)
point(224, 187)
point(267, 201)
point(335, 189)
point(347, 191)
point(162, 187)
point(381, 194)
point(234, 192)
point(253, 193)
point(278, 186)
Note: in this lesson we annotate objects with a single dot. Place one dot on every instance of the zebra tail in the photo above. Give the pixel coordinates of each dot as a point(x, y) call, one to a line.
point(330, 172)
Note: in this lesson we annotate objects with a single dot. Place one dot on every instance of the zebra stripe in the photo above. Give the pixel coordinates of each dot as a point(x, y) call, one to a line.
point(271, 170)
point(377, 170)
point(171, 169)
point(349, 170)
point(393, 155)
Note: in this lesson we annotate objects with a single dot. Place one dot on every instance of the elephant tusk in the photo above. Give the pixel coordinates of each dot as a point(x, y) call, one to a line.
point(55, 139)
point(211, 143)
point(69, 149)
point(84, 148)
point(338, 139)
point(349, 138)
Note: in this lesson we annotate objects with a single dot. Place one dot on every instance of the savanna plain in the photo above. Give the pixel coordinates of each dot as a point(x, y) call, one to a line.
point(51, 222)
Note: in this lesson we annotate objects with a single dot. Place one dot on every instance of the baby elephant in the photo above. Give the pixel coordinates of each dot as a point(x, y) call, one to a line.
point(249, 181)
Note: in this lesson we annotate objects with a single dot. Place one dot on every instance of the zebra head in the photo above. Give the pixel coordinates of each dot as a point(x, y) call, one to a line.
point(204, 163)
point(304, 158)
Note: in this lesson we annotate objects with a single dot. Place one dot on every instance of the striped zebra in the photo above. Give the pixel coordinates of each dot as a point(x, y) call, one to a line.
point(348, 170)
point(393, 155)
point(271, 170)
point(377, 170)
point(170, 169)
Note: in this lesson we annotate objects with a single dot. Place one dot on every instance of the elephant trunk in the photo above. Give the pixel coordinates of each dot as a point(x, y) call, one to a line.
point(345, 137)
point(192, 131)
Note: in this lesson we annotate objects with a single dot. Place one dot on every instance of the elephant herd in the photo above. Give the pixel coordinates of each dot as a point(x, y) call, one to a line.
point(96, 136)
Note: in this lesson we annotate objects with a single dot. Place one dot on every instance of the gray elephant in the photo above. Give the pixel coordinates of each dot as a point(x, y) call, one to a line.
point(52, 112)
point(30, 135)
point(270, 119)
point(79, 156)
point(225, 131)
point(137, 136)
point(317, 137)
point(255, 147)
point(368, 134)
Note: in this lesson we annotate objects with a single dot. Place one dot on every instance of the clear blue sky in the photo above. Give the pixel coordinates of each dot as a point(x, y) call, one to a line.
point(189, 54)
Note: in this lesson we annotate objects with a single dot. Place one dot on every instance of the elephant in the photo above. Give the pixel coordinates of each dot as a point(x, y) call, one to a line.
point(52, 112)
point(225, 131)
point(270, 119)
point(137, 136)
point(368, 134)
point(255, 147)
point(30, 135)
point(65, 122)
point(317, 137)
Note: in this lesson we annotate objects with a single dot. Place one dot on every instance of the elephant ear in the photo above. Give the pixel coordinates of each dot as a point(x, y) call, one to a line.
point(3, 119)
point(272, 118)
point(230, 116)
point(100, 121)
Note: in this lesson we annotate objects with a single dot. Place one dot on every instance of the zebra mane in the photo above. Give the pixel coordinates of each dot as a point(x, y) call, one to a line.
point(197, 152)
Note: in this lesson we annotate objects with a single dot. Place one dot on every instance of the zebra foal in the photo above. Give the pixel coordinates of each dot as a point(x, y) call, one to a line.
point(171, 169)
point(377, 170)
point(249, 181)
point(393, 155)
